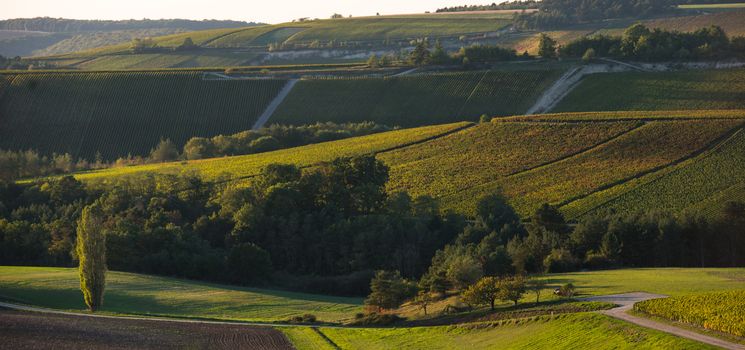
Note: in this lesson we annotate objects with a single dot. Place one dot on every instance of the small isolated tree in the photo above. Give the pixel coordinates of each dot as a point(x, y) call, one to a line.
point(484, 119)
point(91, 251)
point(165, 151)
point(546, 46)
point(336, 16)
point(512, 289)
point(373, 61)
point(188, 44)
point(536, 285)
point(589, 55)
point(484, 292)
point(420, 55)
point(387, 290)
point(423, 299)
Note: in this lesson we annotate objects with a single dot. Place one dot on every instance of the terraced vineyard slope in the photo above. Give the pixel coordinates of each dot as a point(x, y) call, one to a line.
point(127, 112)
point(414, 100)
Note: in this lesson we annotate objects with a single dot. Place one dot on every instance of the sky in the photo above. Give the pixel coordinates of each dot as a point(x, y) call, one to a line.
point(267, 11)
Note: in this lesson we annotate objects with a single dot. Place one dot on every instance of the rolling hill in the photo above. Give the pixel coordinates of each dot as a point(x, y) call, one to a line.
point(125, 112)
point(584, 162)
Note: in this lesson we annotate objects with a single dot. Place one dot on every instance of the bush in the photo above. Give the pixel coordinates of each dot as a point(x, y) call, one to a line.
point(376, 319)
point(304, 319)
point(597, 261)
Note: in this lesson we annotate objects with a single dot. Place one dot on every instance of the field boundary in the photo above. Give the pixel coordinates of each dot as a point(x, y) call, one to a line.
point(326, 338)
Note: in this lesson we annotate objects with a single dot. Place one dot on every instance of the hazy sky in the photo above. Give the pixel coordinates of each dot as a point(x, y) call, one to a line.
point(269, 11)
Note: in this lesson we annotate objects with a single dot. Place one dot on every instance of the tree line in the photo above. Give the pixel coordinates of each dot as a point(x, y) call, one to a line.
point(557, 13)
point(327, 229)
point(16, 165)
point(64, 25)
point(506, 5)
point(641, 43)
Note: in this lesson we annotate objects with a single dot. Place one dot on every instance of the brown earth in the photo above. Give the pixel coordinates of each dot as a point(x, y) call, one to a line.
point(31, 330)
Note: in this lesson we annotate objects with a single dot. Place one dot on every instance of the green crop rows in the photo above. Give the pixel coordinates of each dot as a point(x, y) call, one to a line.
point(414, 100)
point(719, 311)
point(696, 89)
point(121, 113)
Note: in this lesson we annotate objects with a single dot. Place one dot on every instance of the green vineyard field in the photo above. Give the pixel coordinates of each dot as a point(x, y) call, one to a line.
point(692, 90)
point(414, 100)
point(121, 113)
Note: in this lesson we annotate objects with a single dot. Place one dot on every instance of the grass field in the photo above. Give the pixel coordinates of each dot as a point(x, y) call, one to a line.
point(585, 331)
point(121, 113)
point(414, 100)
point(128, 293)
point(719, 311)
point(628, 91)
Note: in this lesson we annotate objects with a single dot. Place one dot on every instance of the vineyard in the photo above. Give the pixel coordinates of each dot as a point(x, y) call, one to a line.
point(121, 113)
point(639, 161)
point(414, 100)
point(719, 311)
point(694, 90)
point(305, 156)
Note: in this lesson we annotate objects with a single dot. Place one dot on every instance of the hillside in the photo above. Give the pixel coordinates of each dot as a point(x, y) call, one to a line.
point(676, 90)
point(44, 36)
point(126, 112)
point(414, 100)
point(581, 162)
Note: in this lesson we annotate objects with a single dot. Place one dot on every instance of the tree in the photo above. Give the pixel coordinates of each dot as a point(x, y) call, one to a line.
point(199, 148)
point(91, 251)
point(188, 44)
point(484, 292)
point(536, 285)
point(512, 289)
point(484, 119)
point(439, 56)
point(373, 61)
point(387, 290)
point(165, 151)
point(546, 46)
point(495, 213)
point(610, 246)
point(550, 218)
point(589, 55)
point(423, 299)
point(463, 271)
point(336, 16)
point(420, 55)
point(248, 263)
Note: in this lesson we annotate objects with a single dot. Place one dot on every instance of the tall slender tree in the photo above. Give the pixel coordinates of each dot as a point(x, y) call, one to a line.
point(91, 250)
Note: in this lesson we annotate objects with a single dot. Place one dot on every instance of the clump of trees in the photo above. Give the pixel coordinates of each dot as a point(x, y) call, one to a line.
point(490, 289)
point(24, 164)
point(641, 43)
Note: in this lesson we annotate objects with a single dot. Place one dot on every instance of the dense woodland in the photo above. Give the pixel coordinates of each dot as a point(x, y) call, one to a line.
point(326, 229)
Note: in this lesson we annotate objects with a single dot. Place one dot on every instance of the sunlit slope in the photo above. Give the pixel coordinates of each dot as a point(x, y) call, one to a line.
point(580, 162)
point(121, 113)
point(250, 165)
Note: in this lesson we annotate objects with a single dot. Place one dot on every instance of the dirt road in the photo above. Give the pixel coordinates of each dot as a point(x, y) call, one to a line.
point(626, 302)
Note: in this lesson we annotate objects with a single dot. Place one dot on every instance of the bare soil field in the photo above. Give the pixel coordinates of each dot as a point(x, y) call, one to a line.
point(29, 330)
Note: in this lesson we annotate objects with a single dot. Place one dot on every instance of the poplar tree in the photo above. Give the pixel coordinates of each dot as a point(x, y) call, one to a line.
point(91, 250)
